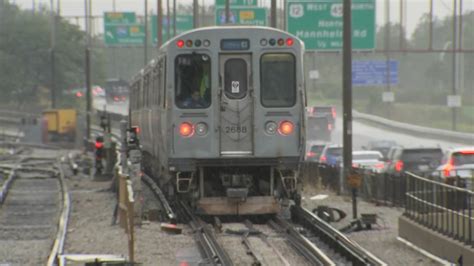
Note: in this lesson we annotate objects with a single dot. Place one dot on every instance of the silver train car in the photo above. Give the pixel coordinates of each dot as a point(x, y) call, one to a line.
point(220, 113)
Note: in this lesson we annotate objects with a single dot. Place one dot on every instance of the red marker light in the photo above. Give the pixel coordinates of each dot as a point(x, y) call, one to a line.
point(289, 42)
point(399, 166)
point(286, 128)
point(180, 43)
point(186, 129)
point(79, 94)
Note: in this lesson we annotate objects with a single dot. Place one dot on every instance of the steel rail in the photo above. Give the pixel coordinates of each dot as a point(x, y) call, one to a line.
point(300, 243)
point(58, 246)
point(349, 249)
point(170, 214)
point(210, 249)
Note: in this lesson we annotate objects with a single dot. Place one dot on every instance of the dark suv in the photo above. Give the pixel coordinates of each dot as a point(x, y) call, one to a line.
point(419, 161)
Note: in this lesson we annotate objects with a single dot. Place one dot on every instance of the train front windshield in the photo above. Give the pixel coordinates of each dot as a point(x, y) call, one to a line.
point(192, 81)
point(278, 80)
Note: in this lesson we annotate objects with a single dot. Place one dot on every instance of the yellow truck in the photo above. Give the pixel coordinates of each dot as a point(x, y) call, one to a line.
point(60, 124)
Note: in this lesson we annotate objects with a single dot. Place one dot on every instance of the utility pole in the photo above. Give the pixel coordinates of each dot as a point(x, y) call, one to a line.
point(387, 53)
point(347, 99)
point(453, 109)
point(51, 55)
point(174, 18)
point(273, 14)
point(87, 71)
point(145, 45)
point(159, 24)
point(227, 11)
point(195, 14)
point(168, 20)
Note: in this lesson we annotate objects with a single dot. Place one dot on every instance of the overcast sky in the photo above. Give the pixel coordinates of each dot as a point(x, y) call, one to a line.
point(414, 8)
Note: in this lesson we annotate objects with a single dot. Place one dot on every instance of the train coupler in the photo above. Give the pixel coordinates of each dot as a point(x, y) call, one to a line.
point(237, 194)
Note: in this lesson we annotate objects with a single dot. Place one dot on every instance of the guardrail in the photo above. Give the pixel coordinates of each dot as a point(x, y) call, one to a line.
point(443, 208)
point(126, 211)
point(448, 135)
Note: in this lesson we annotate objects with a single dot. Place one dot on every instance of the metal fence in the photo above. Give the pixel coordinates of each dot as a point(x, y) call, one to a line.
point(375, 187)
point(441, 207)
point(443, 204)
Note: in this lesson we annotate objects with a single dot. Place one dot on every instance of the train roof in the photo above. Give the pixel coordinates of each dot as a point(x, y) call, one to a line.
point(165, 46)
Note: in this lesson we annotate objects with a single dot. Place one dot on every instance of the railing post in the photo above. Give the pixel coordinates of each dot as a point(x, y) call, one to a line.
point(470, 220)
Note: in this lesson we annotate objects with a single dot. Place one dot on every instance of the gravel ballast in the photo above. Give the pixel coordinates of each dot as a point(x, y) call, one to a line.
point(382, 239)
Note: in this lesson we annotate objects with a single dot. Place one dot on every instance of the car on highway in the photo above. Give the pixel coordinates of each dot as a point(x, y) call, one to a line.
point(314, 151)
point(371, 160)
point(420, 161)
point(331, 155)
point(383, 146)
point(457, 162)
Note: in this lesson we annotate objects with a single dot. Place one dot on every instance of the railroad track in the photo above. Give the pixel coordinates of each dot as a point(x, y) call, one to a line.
point(340, 248)
point(32, 204)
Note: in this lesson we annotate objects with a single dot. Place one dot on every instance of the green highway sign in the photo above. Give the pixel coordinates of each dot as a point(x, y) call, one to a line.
point(319, 23)
point(237, 2)
point(183, 24)
point(256, 16)
point(124, 34)
point(119, 18)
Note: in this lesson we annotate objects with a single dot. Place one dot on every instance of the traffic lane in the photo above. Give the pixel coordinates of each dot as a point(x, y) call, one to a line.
point(363, 133)
point(117, 108)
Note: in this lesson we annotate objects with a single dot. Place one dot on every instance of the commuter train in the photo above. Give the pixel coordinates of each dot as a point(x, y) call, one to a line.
point(221, 114)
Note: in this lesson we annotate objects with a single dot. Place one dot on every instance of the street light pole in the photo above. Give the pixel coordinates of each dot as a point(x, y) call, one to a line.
point(145, 50)
point(52, 57)
point(453, 109)
point(347, 98)
point(159, 23)
point(87, 9)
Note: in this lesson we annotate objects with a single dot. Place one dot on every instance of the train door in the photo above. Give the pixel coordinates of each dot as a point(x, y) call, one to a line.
point(236, 105)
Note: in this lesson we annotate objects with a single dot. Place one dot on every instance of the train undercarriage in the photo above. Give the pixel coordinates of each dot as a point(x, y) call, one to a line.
point(233, 190)
point(237, 190)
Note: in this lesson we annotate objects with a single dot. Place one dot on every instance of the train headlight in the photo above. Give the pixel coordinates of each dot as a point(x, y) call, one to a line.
point(206, 43)
point(286, 128)
point(263, 42)
point(271, 127)
point(189, 43)
point(272, 42)
point(186, 129)
point(197, 43)
point(281, 42)
point(201, 129)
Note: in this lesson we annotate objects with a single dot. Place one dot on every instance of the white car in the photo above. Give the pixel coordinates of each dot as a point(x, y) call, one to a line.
point(457, 162)
point(372, 160)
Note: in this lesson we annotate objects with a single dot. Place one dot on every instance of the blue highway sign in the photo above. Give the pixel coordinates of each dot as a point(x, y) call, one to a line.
point(374, 72)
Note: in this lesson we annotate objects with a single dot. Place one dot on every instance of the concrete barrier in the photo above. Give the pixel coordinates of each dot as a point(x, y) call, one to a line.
point(435, 243)
point(434, 133)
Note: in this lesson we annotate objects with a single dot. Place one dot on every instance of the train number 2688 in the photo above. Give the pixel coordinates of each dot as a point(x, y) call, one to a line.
point(235, 129)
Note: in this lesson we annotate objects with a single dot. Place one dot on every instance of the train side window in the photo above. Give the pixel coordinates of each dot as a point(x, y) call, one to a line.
point(146, 82)
point(139, 94)
point(278, 80)
point(163, 82)
point(192, 81)
point(156, 85)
